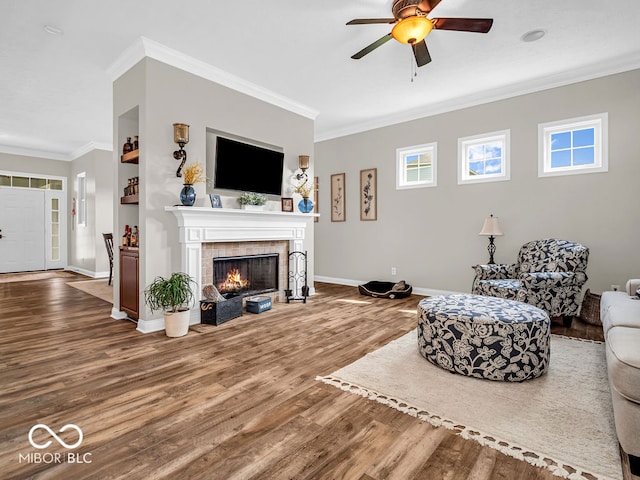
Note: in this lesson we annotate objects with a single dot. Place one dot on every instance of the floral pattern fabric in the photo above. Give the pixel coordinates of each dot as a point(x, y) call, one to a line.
point(549, 274)
point(484, 337)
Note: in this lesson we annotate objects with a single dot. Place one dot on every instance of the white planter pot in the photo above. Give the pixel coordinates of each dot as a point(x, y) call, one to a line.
point(255, 208)
point(176, 324)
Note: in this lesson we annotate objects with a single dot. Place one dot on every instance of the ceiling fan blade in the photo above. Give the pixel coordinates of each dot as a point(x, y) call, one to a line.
point(428, 5)
point(479, 25)
point(421, 52)
point(367, 21)
point(372, 47)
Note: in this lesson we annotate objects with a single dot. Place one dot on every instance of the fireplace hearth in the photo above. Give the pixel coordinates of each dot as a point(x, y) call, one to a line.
point(246, 274)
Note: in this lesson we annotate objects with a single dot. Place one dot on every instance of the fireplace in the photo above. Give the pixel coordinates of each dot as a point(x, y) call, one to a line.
point(246, 274)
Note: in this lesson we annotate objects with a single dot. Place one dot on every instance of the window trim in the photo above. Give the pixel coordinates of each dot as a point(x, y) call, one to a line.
point(599, 122)
point(403, 152)
point(481, 139)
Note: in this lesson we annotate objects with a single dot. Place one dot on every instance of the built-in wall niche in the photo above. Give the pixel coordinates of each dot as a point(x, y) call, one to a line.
point(128, 171)
point(267, 167)
point(128, 189)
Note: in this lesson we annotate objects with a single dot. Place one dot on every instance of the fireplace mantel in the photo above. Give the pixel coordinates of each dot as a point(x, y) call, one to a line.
point(202, 224)
point(198, 225)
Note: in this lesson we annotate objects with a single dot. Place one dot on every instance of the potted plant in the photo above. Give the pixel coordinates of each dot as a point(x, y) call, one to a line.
point(252, 201)
point(174, 296)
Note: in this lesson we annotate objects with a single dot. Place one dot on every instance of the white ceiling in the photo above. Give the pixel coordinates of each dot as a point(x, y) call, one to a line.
point(55, 90)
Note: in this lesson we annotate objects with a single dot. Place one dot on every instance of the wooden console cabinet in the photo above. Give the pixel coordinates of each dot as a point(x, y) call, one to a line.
point(129, 281)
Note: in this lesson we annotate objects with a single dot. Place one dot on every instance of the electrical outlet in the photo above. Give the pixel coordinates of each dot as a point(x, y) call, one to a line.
point(615, 288)
point(393, 270)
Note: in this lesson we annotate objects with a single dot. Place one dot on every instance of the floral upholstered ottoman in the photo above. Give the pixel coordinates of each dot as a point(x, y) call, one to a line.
point(484, 337)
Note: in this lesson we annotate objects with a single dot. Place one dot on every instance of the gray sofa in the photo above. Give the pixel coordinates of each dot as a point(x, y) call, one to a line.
point(620, 314)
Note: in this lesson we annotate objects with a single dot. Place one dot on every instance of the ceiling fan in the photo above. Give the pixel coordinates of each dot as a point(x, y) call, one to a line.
point(411, 26)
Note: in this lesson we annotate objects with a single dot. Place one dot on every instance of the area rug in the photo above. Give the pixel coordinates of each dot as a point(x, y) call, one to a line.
point(98, 288)
point(562, 420)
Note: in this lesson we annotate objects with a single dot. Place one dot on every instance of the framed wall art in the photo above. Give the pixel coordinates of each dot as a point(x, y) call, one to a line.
point(216, 202)
point(369, 194)
point(287, 204)
point(338, 192)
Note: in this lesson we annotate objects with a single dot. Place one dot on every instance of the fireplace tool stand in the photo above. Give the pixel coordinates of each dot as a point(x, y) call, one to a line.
point(298, 288)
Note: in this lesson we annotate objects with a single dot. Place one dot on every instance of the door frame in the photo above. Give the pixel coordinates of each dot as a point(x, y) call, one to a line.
point(61, 195)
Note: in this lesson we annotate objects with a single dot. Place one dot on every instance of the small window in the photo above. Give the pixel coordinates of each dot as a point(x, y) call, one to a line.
point(55, 184)
point(484, 158)
point(82, 198)
point(416, 166)
point(20, 182)
point(40, 183)
point(577, 145)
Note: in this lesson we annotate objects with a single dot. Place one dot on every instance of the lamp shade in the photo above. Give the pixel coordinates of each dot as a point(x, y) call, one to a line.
point(412, 29)
point(181, 133)
point(303, 162)
point(491, 227)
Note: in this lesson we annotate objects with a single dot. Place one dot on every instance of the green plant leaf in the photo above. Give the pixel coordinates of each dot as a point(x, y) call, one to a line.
point(170, 294)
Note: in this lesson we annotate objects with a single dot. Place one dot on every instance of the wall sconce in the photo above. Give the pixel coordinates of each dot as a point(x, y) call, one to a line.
point(181, 137)
point(303, 164)
point(491, 228)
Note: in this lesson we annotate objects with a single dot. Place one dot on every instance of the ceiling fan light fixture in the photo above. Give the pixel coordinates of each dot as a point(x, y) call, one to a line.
point(412, 30)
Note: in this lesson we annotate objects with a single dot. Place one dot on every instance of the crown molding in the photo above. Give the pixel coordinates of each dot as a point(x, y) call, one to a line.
point(127, 59)
point(90, 147)
point(144, 47)
point(31, 152)
point(50, 155)
point(561, 79)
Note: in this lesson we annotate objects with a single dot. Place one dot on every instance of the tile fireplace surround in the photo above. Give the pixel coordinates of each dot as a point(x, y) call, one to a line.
point(204, 231)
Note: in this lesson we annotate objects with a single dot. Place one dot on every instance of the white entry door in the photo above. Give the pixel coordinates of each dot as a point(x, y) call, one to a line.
point(22, 225)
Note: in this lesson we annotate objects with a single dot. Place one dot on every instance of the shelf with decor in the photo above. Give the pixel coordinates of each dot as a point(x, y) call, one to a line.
point(129, 199)
point(127, 212)
point(131, 157)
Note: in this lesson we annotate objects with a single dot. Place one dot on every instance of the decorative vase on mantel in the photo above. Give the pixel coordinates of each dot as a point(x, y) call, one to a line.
point(305, 205)
point(188, 195)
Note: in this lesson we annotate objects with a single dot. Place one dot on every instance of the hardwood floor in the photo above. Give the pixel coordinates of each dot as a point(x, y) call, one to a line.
point(238, 401)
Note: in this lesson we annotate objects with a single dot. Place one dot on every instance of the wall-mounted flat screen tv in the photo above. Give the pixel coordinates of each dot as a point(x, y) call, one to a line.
point(248, 168)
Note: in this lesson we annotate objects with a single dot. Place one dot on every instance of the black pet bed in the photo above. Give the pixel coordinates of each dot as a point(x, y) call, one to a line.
point(386, 289)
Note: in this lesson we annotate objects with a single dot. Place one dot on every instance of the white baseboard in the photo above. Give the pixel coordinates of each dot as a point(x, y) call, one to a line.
point(117, 314)
point(86, 272)
point(426, 292)
point(339, 281)
point(157, 324)
point(150, 326)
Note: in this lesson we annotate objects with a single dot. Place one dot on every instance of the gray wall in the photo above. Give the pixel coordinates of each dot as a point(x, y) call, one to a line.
point(431, 235)
point(26, 164)
point(88, 254)
point(165, 95)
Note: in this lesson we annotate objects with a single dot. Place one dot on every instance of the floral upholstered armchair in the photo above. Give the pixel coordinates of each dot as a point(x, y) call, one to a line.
point(549, 274)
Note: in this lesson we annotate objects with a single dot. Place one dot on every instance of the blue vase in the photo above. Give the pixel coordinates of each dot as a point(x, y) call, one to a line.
point(305, 205)
point(188, 195)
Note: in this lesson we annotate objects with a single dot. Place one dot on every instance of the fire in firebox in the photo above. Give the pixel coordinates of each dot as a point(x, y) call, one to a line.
point(234, 282)
point(246, 274)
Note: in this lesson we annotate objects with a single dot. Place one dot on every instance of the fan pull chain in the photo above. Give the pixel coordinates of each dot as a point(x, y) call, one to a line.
point(413, 72)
